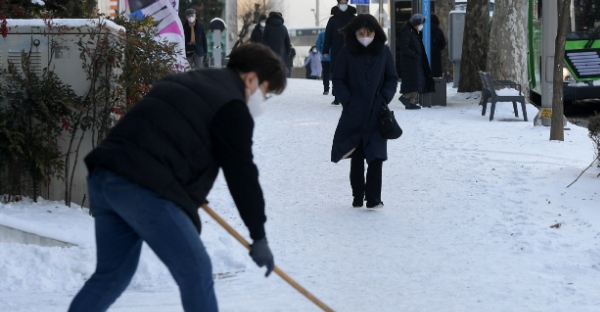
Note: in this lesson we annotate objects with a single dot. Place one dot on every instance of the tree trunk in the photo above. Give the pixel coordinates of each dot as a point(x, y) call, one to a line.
point(443, 9)
point(556, 124)
point(507, 54)
point(474, 47)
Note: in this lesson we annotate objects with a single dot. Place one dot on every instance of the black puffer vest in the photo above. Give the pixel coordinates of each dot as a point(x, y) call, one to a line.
point(164, 142)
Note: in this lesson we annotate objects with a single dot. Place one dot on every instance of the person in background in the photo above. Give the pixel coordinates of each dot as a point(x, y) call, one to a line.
point(196, 48)
point(438, 43)
point(365, 80)
point(334, 40)
point(276, 35)
point(325, 62)
point(157, 165)
point(289, 61)
point(257, 32)
point(416, 74)
point(314, 62)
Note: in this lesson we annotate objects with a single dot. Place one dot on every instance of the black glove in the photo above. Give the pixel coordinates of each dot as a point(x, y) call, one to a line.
point(261, 254)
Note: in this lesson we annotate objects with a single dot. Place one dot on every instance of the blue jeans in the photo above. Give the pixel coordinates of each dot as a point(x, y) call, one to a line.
point(127, 214)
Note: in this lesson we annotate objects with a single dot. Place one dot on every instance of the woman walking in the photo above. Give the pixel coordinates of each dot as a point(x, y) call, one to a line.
point(365, 80)
point(313, 62)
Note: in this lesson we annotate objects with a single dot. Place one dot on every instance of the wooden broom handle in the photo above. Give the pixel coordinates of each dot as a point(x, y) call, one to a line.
point(279, 272)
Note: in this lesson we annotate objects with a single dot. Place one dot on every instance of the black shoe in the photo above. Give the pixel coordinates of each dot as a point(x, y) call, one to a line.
point(326, 92)
point(375, 205)
point(335, 102)
point(357, 203)
point(404, 101)
point(413, 106)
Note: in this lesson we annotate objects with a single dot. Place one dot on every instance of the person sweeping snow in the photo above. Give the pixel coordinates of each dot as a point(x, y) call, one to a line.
point(155, 168)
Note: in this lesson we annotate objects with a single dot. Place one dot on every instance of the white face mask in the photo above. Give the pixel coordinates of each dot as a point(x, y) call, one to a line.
point(314, 50)
point(256, 102)
point(343, 7)
point(263, 24)
point(420, 27)
point(366, 41)
point(191, 19)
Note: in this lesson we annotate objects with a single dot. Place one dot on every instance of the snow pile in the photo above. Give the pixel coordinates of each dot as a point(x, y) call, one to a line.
point(574, 83)
point(30, 267)
point(508, 92)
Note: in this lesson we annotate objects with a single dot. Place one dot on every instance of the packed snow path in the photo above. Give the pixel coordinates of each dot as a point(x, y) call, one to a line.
point(466, 224)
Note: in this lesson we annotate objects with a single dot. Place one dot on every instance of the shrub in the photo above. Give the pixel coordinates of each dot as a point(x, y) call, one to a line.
point(35, 112)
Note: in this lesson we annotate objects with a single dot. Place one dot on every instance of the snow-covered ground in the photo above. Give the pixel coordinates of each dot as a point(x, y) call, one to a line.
point(469, 206)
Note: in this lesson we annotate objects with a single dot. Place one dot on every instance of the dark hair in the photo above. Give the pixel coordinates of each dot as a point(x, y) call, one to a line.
point(434, 19)
point(258, 58)
point(275, 14)
point(363, 21)
point(262, 17)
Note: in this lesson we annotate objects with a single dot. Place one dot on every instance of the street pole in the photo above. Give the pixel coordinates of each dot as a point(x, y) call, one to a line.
point(381, 12)
point(317, 15)
point(549, 32)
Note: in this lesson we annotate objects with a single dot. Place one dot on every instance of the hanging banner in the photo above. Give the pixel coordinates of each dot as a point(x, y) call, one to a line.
point(164, 13)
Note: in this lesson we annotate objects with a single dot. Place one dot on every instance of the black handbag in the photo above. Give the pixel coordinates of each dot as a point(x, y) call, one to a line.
point(388, 126)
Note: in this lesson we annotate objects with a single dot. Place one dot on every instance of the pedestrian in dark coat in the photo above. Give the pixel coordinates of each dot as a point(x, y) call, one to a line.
point(157, 165)
point(257, 32)
point(365, 80)
point(196, 48)
point(325, 62)
point(416, 74)
point(276, 35)
point(289, 61)
point(438, 43)
point(342, 14)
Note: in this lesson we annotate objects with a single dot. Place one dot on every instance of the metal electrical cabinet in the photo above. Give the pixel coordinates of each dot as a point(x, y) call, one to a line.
point(36, 36)
point(456, 27)
point(53, 44)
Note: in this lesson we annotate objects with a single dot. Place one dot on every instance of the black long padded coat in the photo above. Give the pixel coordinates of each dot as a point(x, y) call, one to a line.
point(364, 79)
point(438, 43)
point(276, 36)
point(257, 34)
point(416, 73)
point(334, 40)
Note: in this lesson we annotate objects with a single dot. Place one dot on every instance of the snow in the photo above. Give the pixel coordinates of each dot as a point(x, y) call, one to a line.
point(578, 84)
point(38, 2)
point(508, 92)
point(466, 224)
point(14, 24)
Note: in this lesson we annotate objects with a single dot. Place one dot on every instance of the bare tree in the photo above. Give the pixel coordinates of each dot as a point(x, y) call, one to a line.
point(507, 54)
point(475, 44)
point(556, 124)
point(443, 8)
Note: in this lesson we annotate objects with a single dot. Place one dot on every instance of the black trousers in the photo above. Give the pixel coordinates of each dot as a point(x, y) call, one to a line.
point(371, 190)
point(326, 74)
